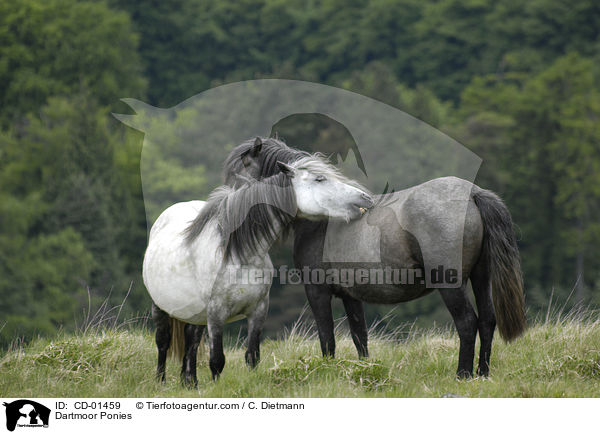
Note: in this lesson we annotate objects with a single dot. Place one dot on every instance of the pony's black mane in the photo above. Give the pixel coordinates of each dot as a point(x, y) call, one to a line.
point(273, 150)
point(247, 216)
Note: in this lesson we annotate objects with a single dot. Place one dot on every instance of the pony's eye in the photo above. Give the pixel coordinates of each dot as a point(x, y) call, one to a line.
point(320, 178)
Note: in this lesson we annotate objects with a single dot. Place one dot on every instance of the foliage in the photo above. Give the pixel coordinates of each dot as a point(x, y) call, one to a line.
point(515, 82)
point(541, 131)
point(41, 282)
point(189, 45)
point(63, 199)
point(54, 47)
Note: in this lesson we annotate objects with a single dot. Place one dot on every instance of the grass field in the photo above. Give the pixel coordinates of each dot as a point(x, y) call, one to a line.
point(560, 358)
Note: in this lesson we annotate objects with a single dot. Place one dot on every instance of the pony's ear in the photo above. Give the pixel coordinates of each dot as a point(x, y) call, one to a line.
point(256, 147)
point(284, 168)
point(251, 152)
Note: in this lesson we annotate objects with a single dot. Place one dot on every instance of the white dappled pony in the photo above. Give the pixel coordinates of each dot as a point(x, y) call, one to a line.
point(197, 249)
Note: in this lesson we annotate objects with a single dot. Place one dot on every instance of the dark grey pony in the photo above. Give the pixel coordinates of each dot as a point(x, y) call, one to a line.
point(446, 225)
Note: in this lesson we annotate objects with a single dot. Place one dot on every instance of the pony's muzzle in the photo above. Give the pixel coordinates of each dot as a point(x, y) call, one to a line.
point(366, 203)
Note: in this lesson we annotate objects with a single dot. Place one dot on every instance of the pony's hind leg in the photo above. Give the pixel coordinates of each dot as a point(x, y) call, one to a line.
point(487, 317)
point(163, 339)
point(193, 336)
point(465, 320)
point(256, 320)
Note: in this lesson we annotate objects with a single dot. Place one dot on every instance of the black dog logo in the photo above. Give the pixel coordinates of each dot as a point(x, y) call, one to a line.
point(30, 411)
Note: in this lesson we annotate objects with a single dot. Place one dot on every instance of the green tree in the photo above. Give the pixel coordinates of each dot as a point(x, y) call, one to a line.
point(543, 132)
point(60, 169)
point(572, 86)
point(54, 47)
point(70, 214)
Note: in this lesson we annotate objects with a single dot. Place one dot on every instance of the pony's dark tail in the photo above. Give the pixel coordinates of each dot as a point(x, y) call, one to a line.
point(177, 347)
point(503, 264)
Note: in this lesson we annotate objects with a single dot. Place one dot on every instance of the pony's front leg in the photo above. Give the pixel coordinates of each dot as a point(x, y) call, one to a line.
point(358, 326)
point(256, 320)
point(216, 323)
point(319, 299)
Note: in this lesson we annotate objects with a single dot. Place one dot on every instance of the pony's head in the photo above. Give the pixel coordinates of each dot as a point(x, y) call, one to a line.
point(321, 191)
point(248, 160)
point(248, 165)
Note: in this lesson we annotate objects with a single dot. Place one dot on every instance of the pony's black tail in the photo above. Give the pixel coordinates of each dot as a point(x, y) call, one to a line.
point(503, 264)
point(177, 347)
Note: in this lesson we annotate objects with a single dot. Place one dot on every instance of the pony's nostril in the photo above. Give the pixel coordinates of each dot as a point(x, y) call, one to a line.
point(367, 198)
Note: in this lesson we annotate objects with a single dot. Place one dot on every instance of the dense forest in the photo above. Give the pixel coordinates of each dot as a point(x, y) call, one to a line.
point(517, 83)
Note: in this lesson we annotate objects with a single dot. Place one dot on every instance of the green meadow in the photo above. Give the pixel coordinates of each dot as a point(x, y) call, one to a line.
point(558, 358)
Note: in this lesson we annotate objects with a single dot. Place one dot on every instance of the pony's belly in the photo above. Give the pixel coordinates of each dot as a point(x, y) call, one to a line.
point(242, 300)
point(382, 283)
point(174, 287)
point(386, 294)
point(243, 287)
point(229, 298)
point(185, 296)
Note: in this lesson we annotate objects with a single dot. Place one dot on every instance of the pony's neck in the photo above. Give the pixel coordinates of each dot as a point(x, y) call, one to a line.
point(263, 245)
point(255, 216)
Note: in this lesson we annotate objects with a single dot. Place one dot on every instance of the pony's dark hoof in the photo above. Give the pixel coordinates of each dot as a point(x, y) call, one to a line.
point(216, 365)
point(463, 374)
point(252, 359)
point(483, 372)
point(189, 383)
point(216, 373)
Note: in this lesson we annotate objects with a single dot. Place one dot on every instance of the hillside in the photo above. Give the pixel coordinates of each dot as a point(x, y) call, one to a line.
point(559, 359)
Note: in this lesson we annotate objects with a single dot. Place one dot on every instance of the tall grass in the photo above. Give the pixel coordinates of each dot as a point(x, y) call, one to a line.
point(559, 356)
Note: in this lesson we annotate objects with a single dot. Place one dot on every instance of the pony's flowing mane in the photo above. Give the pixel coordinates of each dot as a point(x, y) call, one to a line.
point(247, 217)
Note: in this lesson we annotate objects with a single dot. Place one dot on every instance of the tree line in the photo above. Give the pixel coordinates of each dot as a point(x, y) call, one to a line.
point(517, 83)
